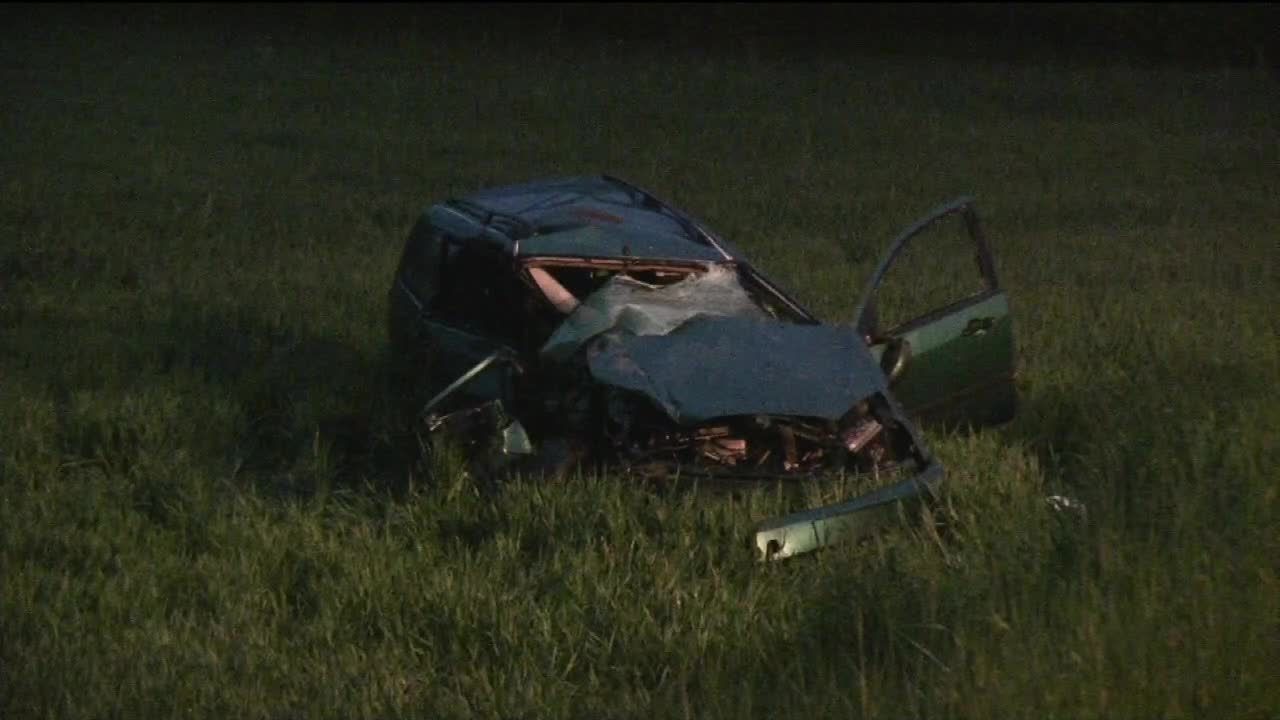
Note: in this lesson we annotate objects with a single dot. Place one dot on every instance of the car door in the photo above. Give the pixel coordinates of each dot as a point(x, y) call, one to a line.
point(450, 312)
point(937, 317)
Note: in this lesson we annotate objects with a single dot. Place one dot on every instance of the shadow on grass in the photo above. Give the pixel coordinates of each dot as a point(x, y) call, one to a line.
point(287, 412)
point(319, 414)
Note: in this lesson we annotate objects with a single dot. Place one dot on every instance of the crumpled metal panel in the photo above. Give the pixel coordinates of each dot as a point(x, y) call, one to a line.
point(640, 309)
point(716, 366)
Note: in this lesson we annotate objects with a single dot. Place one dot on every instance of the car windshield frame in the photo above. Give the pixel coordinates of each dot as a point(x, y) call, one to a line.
point(764, 294)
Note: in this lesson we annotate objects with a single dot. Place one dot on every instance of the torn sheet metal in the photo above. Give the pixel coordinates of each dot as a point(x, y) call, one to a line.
point(638, 308)
point(515, 441)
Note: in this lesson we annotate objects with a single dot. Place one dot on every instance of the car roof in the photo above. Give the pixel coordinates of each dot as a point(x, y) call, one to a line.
point(590, 217)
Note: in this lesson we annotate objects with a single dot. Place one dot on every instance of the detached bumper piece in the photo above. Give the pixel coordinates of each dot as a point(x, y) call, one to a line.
point(810, 530)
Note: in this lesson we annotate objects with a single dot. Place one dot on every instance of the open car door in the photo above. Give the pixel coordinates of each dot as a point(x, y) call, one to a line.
point(936, 315)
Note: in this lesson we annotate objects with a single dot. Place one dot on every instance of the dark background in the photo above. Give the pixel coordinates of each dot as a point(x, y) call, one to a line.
point(1196, 35)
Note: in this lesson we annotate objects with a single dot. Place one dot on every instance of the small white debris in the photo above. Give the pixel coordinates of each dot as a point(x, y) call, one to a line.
point(1062, 503)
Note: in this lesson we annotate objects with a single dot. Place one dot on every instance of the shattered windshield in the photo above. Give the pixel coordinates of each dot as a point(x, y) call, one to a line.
point(641, 308)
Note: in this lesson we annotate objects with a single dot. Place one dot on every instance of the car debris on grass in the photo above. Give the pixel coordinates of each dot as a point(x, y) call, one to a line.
point(584, 320)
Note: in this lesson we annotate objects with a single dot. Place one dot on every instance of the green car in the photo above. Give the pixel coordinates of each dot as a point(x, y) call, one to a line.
point(583, 320)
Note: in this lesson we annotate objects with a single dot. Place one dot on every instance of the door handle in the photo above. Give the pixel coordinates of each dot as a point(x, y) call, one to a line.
point(978, 326)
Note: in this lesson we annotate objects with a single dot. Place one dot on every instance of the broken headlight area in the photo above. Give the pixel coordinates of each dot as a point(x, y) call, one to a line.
point(868, 439)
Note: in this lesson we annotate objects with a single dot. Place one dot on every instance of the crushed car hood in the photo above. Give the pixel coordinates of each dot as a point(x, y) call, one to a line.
point(721, 366)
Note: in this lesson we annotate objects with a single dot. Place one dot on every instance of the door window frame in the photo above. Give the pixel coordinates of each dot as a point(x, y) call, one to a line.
point(963, 206)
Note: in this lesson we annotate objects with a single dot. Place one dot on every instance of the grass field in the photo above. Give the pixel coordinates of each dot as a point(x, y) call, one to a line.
point(209, 507)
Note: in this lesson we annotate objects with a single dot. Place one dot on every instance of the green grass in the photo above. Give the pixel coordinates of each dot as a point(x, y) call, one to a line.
point(208, 504)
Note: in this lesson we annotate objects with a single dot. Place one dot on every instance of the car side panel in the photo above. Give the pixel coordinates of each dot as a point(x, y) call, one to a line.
point(961, 365)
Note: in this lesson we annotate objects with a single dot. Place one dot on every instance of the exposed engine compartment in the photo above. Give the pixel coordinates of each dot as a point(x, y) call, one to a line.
point(865, 440)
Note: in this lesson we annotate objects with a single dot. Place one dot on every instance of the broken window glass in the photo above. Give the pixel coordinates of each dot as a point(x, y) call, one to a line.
point(643, 308)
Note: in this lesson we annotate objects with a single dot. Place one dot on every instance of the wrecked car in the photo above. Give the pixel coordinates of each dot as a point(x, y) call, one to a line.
point(585, 320)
